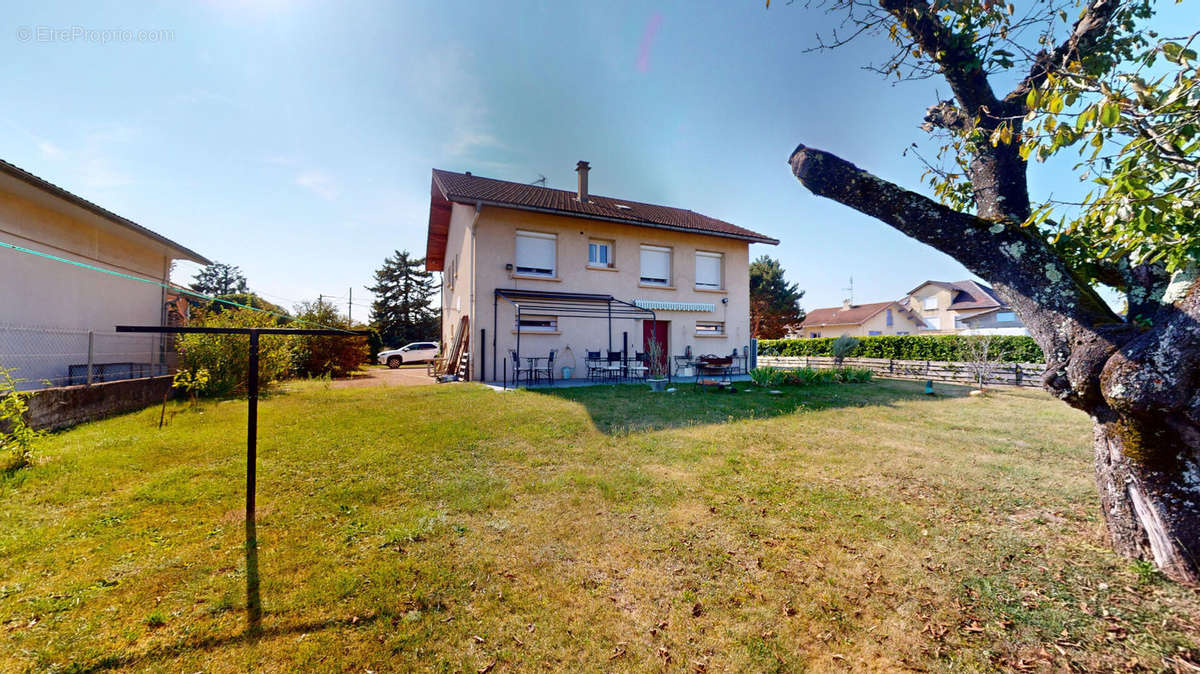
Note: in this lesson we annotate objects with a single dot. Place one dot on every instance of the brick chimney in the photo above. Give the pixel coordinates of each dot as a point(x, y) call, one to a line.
point(582, 169)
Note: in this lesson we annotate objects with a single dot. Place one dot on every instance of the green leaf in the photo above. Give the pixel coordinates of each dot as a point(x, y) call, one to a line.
point(1110, 114)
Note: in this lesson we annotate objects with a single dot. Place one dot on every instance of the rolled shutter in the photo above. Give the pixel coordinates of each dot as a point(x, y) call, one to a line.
point(535, 252)
point(708, 270)
point(656, 264)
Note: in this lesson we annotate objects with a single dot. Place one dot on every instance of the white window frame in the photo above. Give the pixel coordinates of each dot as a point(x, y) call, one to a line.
point(598, 244)
point(713, 329)
point(720, 258)
point(527, 270)
point(653, 281)
point(931, 303)
point(552, 327)
point(934, 322)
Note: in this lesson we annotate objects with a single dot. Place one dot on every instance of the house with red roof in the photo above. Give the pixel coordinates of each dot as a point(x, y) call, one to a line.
point(531, 269)
point(858, 320)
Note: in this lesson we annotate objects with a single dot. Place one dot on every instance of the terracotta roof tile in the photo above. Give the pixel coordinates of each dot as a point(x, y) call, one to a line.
point(464, 188)
point(855, 315)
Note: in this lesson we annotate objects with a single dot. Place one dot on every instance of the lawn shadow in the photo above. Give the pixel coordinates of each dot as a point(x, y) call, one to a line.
point(181, 647)
point(633, 408)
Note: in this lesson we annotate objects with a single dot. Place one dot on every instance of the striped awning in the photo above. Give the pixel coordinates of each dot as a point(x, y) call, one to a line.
point(674, 306)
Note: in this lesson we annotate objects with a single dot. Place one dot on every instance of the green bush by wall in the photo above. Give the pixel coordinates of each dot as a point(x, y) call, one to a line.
point(1008, 348)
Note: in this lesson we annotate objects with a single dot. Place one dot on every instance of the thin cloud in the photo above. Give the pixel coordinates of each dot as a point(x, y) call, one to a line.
point(50, 150)
point(319, 183)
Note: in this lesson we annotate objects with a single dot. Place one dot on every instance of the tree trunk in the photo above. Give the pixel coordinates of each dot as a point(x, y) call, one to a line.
point(1138, 382)
point(1152, 511)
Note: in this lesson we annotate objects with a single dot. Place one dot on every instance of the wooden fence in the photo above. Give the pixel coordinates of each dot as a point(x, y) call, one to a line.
point(1005, 374)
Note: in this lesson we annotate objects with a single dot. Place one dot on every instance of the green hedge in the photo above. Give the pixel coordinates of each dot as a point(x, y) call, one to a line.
point(1009, 349)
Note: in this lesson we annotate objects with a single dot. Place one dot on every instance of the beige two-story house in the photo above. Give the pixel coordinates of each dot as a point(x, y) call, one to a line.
point(536, 269)
point(962, 307)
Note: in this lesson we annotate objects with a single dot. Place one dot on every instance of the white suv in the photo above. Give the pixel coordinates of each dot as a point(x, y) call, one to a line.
point(417, 352)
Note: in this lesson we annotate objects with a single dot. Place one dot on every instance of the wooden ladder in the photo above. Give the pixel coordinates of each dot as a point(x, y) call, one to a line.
point(457, 360)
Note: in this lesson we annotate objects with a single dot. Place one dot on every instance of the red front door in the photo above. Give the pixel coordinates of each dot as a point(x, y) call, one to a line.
point(656, 331)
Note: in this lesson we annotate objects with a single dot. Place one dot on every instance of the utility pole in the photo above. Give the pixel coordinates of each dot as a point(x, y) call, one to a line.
point(350, 306)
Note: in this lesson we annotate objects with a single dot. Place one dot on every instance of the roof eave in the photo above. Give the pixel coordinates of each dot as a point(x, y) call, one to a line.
point(463, 199)
point(184, 253)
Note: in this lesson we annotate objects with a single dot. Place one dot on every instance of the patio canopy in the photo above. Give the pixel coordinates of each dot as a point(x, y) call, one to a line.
point(562, 304)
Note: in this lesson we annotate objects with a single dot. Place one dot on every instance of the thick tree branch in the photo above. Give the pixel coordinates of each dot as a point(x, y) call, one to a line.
point(1074, 327)
point(1144, 288)
point(1078, 45)
point(955, 54)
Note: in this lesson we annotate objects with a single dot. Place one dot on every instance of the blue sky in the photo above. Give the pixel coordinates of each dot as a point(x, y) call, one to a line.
point(295, 140)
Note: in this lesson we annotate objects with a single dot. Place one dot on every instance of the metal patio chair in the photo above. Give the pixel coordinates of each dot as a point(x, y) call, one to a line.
point(548, 370)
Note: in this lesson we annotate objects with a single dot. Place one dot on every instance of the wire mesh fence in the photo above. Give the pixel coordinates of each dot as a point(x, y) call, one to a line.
point(47, 357)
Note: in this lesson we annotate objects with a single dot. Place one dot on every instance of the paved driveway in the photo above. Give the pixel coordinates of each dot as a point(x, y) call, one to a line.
point(408, 375)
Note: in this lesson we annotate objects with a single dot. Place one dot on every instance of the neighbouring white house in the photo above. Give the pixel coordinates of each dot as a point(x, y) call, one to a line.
point(962, 307)
point(934, 307)
point(533, 269)
point(54, 314)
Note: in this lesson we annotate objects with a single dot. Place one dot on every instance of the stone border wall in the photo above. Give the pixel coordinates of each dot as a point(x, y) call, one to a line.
point(63, 406)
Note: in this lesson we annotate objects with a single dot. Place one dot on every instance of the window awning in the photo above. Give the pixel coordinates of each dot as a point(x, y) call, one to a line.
point(674, 306)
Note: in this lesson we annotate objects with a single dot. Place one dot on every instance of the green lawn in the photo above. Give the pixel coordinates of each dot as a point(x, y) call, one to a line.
point(452, 527)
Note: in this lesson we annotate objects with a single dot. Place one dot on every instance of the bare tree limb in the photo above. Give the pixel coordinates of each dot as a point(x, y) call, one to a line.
point(955, 53)
point(1083, 39)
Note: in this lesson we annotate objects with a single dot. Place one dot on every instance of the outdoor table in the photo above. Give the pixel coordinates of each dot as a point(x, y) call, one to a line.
point(533, 361)
point(634, 365)
point(713, 373)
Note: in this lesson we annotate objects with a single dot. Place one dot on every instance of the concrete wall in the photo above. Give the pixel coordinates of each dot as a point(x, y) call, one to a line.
point(41, 293)
point(457, 278)
point(65, 406)
point(495, 241)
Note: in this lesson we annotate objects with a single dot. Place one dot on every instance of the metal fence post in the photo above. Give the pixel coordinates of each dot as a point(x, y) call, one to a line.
point(91, 354)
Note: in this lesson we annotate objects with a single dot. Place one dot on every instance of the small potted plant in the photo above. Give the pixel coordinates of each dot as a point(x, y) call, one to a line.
point(656, 363)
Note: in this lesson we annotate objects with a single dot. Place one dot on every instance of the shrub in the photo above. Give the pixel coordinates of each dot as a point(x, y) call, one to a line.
point(770, 376)
point(318, 355)
point(854, 375)
point(16, 437)
point(191, 383)
point(842, 347)
point(227, 357)
point(808, 375)
point(1007, 348)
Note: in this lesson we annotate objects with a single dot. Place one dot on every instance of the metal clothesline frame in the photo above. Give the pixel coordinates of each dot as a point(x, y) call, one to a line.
point(253, 599)
point(563, 305)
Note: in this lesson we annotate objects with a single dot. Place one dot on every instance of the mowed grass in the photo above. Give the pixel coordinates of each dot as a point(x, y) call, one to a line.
point(453, 528)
